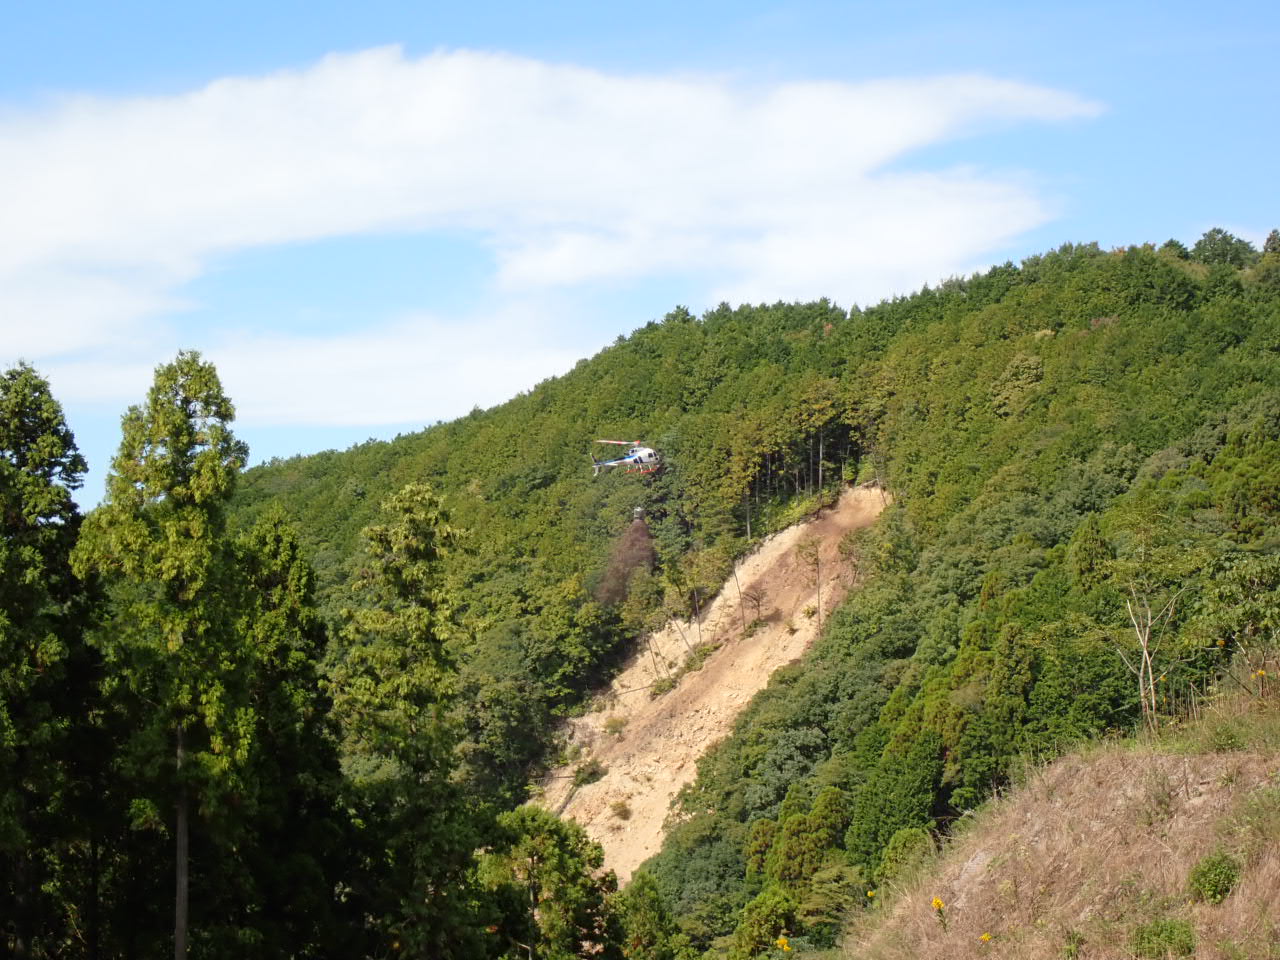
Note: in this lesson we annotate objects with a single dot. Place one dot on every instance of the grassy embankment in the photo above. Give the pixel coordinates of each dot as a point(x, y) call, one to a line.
point(1153, 846)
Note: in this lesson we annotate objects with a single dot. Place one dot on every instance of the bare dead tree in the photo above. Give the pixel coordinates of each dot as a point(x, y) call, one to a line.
point(1149, 631)
point(742, 613)
point(810, 550)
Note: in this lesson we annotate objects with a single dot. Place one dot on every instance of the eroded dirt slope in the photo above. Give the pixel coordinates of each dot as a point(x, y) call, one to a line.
point(650, 746)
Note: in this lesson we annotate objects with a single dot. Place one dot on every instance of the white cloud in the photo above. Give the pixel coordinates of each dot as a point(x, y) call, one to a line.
point(570, 175)
point(412, 371)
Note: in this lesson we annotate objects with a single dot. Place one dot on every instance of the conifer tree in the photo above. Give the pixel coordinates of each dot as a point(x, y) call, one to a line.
point(159, 540)
point(829, 817)
point(543, 872)
point(764, 922)
point(649, 932)
point(42, 662)
point(760, 841)
point(285, 849)
point(796, 854)
point(392, 686)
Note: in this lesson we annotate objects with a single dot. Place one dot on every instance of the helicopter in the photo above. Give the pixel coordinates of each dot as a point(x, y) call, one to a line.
point(639, 459)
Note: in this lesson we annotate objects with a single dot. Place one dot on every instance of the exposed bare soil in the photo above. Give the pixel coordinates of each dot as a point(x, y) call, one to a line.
point(650, 746)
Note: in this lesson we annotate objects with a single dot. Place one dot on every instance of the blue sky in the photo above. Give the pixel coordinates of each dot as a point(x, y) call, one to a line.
point(377, 216)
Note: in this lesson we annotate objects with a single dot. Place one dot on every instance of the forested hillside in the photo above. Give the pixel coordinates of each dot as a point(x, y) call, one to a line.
point(1087, 436)
point(320, 688)
point(1083, 452)
point(751, 412)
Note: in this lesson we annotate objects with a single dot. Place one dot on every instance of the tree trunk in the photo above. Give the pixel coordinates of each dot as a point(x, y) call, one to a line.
point(821, 454)
point(181, 862)
point(95, 882)
point(817, 567)
point(742, 609)
point(22, 908)
point(675, 620)
point(697, 613)
point(648, 642)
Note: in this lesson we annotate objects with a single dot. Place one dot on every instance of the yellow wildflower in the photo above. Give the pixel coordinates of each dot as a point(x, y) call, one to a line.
point(938, 904)
point(871, 893)
point(985, 938)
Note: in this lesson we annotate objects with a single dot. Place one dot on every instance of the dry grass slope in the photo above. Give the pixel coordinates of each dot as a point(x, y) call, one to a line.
point(1093, 857)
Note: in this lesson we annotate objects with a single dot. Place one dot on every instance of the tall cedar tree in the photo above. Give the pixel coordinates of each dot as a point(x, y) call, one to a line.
point(159, 539)
point(544, 876)
point(392, 687)
point(42, 663)
point(283, 846)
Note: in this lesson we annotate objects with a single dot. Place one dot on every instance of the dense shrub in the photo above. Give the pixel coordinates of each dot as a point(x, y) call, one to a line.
point(1213, 878)
point(1164, 937)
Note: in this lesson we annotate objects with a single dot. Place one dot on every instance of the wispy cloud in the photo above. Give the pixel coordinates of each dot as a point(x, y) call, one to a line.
point(569, 175)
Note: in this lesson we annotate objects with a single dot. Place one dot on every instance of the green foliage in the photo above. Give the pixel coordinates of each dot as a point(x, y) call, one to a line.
point(764, 919)
point(541, 872)
point(391, 686)
point(899, 794)
point(822, 910)
point(180, 671)
point(660, 686)
point(906, 849)
point(615, 726)
point(1214, 877)
point(159, 538)
point(1066, 440)
point(829, 817)
point(1218, 247)
point(49, 764)
point(648, 930)
point(796, 853)
point(289, 833)
point(763, 833)
point(504, 731)
point(1164, 937)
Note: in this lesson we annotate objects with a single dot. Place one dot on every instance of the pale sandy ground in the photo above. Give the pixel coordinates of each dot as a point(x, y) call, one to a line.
point(658, 750)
